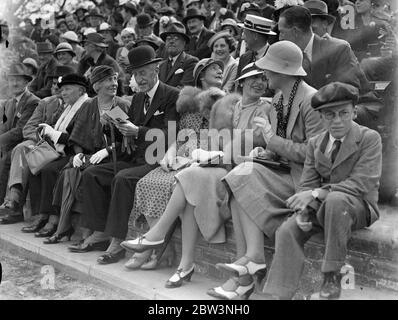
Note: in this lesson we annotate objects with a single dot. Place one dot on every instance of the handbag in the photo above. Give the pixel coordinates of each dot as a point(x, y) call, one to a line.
point(40, 155)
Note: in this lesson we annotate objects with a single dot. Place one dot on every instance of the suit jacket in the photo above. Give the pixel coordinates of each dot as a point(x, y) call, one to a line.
point(40, 85)
point(161, 111)
point(356, 170)
point(11, 129)
point(303, 124)
point(200, 49)
point(48, 111)
point(184, 62)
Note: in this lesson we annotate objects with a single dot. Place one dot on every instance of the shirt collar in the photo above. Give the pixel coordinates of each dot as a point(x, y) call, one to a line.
point(308, 48)
point(151, 93)
point(175, 58)
point(333, 139)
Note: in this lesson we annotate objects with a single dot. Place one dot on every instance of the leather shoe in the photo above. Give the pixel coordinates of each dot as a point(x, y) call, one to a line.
point(46, 232)
point(109, 257)
point(141, 244)
point(11, 219)
point(35, 226)
point(10, 208)
point(331, 286)
point(96, 246)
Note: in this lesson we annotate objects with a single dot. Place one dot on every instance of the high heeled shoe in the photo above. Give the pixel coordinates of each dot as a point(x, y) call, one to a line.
point(239, 292)
point(179, 277)
point(56, 238)
point(250, 267)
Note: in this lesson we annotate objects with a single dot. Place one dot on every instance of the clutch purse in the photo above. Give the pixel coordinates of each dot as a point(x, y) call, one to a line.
point(40, 155)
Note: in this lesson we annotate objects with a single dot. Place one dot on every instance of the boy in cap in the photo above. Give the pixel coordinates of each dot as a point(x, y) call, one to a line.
point(338, 193)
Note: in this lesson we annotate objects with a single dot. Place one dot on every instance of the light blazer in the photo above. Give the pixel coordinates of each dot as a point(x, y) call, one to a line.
point(160, 112)
point(48, 111)
point(184, 62)
point(304, 123)
point(356, 170)
point(11, 130)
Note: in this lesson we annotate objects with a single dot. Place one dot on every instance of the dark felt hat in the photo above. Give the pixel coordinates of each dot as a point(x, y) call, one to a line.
point(101, 72)
point(60, 71)
point(131, 7)
point(193, 13)
point(44, 47)
point(166, 11)
point(73, 78)
point(96, 39)
point(142, 56)
point(95, 12)
point(144, 20)
point(175, 28)
point(19, 70)
point(334, 94)
point(319, 8)
point(146, 41)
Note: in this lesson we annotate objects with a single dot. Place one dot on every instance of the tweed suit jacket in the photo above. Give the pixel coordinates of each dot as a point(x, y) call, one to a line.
point(16, 118)
point(304, 123)
point(355, 171)
point(184, 62)
point(200, 49)
point(48, 111)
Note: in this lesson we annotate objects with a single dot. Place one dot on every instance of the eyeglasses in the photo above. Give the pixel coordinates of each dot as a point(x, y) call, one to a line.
point(343, 115)
point(172, 38)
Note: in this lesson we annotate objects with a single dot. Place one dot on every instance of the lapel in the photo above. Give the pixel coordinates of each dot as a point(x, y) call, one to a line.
point(155, 103)
point(18, 109)
point(298, 99)
point(349, 145)
point(201, 37)
point(318, 64)
point(178, 64)
point(320, 151)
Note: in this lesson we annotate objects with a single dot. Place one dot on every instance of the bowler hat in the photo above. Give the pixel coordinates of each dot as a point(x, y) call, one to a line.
point(250, 70)
point(144, 20)
point(64, 47)
point(193, 13)
point(70, 36)
point(73, 78)
point(175, 28)
point(319, 8)
point(101, 72)
point(142, 56)
point(60, 71)
point(202, 65)
point(283, 57)
point(19, 70)
point(96, 39)
point(334, 94)
point(258, 24)
point(44, 47)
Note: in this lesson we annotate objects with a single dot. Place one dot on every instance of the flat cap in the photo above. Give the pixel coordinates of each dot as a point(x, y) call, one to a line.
point(334, 94)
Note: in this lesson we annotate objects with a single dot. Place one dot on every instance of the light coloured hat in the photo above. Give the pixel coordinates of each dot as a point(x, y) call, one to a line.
point(217, 36)
point(230, 23)
point(30, 62)
point(70, 36)
point(283, 57)
point(258, 24)
point(64, 47)
point(248, 71)
point(89, 30)
point(127, 31)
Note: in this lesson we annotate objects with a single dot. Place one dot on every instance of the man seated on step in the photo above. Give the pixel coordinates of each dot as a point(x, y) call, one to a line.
point(338, 193)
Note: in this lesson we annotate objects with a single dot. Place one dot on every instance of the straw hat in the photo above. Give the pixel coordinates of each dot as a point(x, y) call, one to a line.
point(249, 71)
point(283, 57)
point(259, 24)
point(64, 47)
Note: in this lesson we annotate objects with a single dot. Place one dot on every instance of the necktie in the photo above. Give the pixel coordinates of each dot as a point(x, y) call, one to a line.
point(306, 63)
point(169, 65)
point(335, 150)
point(146, 103)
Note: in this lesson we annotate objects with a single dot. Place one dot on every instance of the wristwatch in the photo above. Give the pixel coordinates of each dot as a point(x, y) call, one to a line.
point(315, 194)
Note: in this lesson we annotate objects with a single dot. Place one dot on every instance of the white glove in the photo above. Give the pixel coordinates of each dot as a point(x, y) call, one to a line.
point(50, 132)
point(77, 160)
point(265, 126)
point(256, 151)
point(99, 156)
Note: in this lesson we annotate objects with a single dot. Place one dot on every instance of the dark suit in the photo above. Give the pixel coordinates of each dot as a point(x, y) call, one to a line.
point(351, 204)
point(11, 132)
point(108, 199)
point(199, 48)
point(184, 66)
point(40, 85)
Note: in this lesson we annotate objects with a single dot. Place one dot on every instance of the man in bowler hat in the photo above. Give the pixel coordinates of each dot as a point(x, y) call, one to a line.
point(338, 194)
point(108, 198)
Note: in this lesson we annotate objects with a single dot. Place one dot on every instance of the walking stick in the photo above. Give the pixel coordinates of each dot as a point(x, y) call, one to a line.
point(113, 144)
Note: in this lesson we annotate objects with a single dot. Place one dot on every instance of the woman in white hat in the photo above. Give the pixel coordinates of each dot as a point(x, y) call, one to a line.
point(72, 38)
point(65, 55)
point(259, 207)
point(199, 204)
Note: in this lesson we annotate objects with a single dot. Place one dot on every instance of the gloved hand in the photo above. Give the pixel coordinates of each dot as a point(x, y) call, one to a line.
point(99, 156)
point(256, 151)
point(77, 160)
point(265, 126)
point(49, 132)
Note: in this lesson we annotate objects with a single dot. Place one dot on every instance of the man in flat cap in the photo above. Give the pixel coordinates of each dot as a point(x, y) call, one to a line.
point(338, 194)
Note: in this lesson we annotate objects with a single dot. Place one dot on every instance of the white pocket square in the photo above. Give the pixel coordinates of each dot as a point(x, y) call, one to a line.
point(178, 71)
point(158, 113)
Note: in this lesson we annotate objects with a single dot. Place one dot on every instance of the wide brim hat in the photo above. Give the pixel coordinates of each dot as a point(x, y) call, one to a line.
point(319, 8)
point(249, 71)
point(19, 70)
point(142, 56)
point(70, 36)
point(60, 71)
point(64, 47)
point(175, 28)
point(333, 95)
point(202, 65)
point(146, 41)
point(259, 24)
point(193, 13)
point(73, 79)
point(283, 57)
point(97, 39)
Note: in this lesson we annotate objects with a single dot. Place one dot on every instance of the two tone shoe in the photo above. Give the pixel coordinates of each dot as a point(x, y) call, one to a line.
point(141, 244)
point(238, 270)
point(239, 292)
point(179, 277)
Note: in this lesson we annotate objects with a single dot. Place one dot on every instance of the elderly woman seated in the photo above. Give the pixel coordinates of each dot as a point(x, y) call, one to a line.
point(198, 204)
